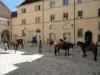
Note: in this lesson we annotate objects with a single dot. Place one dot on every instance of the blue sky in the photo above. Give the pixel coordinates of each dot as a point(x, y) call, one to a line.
point(11, 4)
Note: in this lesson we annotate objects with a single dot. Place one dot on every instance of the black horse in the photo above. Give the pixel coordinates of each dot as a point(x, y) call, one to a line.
point(85, 47)
point(65, 46)
point(34, 40)
point(20, 42)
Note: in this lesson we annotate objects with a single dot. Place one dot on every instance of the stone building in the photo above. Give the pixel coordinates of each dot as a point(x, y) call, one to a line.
point(77, 20)
point(4, 21)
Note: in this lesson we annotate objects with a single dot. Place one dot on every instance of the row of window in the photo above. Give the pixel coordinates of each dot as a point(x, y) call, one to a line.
point(37, 8)
point(65, 17)
point(37, 20)
point(52, 5)
point(65, 2)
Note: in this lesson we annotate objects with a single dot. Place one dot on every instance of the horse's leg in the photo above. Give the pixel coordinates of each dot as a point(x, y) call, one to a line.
point(16, 47)
point(32, 43)
point(84, 52)
point(22, 46)
point(59, 52)
point(50, 45)
point(15, 50)
point(95, 54)
point(55, 51)
point(65, 52)
point(96, 51)
point(5, 49)
point(68, 52)
point(50, 48)
point(35, 43)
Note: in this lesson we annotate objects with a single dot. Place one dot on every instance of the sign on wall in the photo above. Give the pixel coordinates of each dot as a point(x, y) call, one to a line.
point(68, 26)
point(52, 27)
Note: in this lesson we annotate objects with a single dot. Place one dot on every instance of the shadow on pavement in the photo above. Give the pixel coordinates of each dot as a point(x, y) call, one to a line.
point(46, 66)
point(4, 53)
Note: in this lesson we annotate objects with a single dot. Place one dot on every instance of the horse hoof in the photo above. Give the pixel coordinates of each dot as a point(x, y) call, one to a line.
point(84, 55)
point(55, 55)
point(95, 59)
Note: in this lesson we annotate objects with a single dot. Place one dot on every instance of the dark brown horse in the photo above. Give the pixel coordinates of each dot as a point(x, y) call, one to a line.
point(92, 47)
point(64, 46)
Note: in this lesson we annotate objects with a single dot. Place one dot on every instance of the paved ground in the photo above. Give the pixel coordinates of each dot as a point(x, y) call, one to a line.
point(29, 61)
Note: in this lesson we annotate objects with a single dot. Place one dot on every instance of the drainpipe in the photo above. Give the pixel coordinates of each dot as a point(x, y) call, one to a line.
point(43, 17)
point(11, 27)
point(74, 23)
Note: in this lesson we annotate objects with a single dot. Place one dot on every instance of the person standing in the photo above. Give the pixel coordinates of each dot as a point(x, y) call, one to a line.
point(40, 47)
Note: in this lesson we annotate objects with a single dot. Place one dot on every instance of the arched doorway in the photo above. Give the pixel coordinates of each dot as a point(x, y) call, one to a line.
point(88, 37)
point(38, 35)
point(5, 35)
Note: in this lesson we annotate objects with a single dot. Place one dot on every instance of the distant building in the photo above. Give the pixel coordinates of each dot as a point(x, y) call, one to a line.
point(55, 19)
point(4, 22)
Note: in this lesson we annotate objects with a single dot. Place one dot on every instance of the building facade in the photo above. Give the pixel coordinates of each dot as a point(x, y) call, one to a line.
point(77, 20)
point(4, 22)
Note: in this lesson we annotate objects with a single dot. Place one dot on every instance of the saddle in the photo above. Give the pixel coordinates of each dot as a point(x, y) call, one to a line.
point(64, 45)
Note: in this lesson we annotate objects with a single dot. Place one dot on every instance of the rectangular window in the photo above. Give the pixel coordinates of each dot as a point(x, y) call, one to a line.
point(80, 32)
point(65, 16)
point(52, 4)
point(99, 26)
point(65, 2)
point(52, 17)
point(79, 1)
point(23, 10)
point(23, 21)
point(99, 38)
point(8, 23)
point(99, 12)
point(37, 7)
point(80, 14)
point(37, 20)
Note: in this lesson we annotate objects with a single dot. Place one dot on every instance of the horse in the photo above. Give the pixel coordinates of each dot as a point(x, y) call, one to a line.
point(85, 47)
point(64, 46)
point(34, 40)
point(20, 42)
point(10, 44)
point(51, 42)
point(14, 45)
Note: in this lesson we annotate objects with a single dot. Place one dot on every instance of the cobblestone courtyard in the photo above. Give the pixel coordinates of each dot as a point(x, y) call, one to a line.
point(29, 61)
